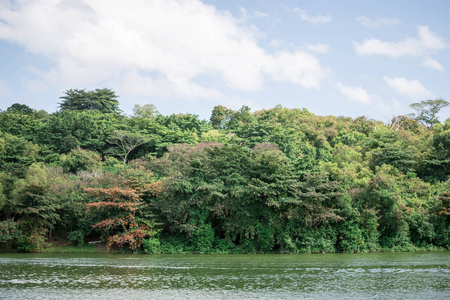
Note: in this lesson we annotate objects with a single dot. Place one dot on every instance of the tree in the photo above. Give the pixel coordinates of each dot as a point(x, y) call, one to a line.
point(16, 154)
point(124, 143)
point(80, 159)
point(221, 116)
point(394, 155)
point(36, 206)
point(427, 110)
point(103, 100)
point(19, 123)
point(403, 122)
point(20, 109)
point(145, 111)
point(242, 116)
point(317, 200)
point(437, 165)
point(127, 221)
point(70, 129)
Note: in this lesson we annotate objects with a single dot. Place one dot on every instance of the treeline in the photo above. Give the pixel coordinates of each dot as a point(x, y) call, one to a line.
point(276, 180)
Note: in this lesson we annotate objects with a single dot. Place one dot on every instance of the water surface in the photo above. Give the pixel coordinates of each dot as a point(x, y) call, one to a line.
point(320, 276)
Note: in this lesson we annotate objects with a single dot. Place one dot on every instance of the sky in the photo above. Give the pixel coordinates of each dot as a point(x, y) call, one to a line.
point(341, 58)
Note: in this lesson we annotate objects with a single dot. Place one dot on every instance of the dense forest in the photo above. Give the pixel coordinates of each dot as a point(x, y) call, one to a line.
point(272, 181)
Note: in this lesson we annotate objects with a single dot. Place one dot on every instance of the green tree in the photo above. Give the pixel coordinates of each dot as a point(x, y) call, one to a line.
point(20, 109)
point(427, 110)
point(221, 117)
point(20, 124)
point(317, 200)
point(145, 111)
point(242, 116)
point(70, 129)
point(437, 165)
point(80, 159)
point(103, 100)
point(124, 142)
point(36, 207)
point(394, 155)
point(16, 154)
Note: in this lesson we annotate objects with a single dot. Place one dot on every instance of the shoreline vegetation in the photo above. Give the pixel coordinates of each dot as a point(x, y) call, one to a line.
point(102, 249)
point(277, 180)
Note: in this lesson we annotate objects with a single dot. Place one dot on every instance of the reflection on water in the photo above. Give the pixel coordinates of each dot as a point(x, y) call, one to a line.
point(375, 275)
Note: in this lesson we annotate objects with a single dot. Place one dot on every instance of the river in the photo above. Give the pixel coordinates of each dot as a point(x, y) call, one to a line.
point(419, 275)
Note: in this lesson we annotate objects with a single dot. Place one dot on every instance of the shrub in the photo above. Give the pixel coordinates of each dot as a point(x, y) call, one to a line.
point(80, 159)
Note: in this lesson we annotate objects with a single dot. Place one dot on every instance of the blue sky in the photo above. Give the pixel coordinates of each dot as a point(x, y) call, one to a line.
point(349, 58)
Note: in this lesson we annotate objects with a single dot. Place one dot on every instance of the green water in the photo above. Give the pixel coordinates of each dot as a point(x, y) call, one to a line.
point(320, 276)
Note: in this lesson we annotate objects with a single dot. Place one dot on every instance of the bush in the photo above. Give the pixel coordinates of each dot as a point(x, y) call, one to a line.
point(10, 233)
point(76, 237)
point(265, 239)
point(80, 159)
point(175, 245)
point(248, 246)
point(203, 238)
point(151, 245)
point(223, 246)
point(317, 240)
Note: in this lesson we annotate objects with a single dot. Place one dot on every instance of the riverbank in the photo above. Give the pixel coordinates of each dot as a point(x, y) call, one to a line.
point(100, 248)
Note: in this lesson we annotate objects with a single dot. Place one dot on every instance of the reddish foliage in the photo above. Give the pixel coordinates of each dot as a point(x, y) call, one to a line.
point(155, 189)
point(445, 207)
point(121, 204)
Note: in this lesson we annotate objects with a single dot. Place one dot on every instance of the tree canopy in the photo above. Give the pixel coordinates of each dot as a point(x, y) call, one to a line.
point(275, 180)
point(145, 111)
point(427, 110)
point(103, 100)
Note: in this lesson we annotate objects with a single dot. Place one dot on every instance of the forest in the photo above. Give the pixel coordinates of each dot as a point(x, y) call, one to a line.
point(277, 180)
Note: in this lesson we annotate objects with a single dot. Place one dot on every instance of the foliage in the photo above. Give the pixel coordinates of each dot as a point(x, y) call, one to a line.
point(276, 180)
point(79, 159)
point(16, 154)
point(221, 117)
point(10, 232)
point(427, 110)
point(125, 142)
point(103, 100)
point(145, 111)
point(19, 109)
point(69, 129)
point(124, 212)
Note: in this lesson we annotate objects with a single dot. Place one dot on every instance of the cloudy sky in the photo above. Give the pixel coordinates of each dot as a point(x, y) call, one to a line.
point(349, 58)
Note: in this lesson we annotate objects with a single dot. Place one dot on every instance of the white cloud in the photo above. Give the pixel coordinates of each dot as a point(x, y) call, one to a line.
point(299, 67)
point(150, 47)
point(319, 19)
point(377, 22)
point(428, 62)
point(354, 94)
point(410, 88)
point(426, 42)
point(277, 42)
point(318, 48)
point(252, 15)
point(246, 15)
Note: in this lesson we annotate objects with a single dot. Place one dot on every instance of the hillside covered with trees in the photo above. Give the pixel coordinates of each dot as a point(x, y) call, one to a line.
point(276, 180)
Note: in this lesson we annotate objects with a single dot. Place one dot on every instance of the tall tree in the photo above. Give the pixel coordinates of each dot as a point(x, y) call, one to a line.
point(427, 110)
point(20, 109)
point(147, 111)
point(221, 116)
point(124, 142)
point(126, 217)
point(70, 129)
point(103, 100)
